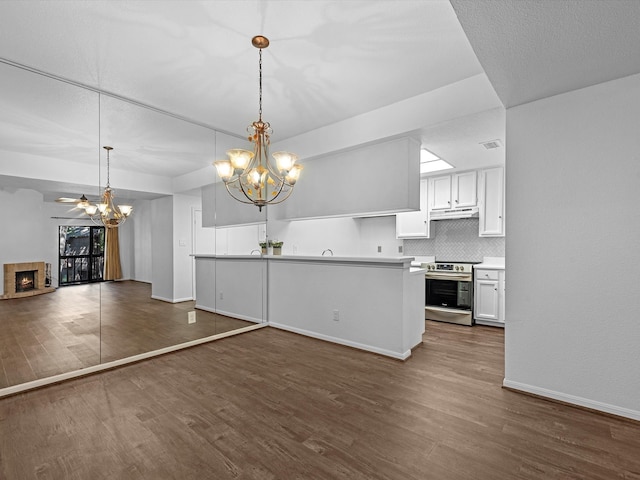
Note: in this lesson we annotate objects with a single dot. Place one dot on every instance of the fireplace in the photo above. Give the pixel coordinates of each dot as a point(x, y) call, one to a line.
point(24, 280)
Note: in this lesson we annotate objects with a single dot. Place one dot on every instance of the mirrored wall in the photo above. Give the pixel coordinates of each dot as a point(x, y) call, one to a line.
point(190, 256)
point(66, 318)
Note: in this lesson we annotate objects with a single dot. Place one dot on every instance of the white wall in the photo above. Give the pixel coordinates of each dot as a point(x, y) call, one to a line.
point(572, 303)
point(23, 220)
point(142, 233)
point(182, 246)
point(379, 232)
point(311, 237)
point(345, 236)
point(240, 240)
point(171, 242)
point(162, 248)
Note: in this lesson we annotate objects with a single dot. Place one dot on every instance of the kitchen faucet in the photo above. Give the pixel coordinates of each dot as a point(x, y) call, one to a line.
point(327, 250)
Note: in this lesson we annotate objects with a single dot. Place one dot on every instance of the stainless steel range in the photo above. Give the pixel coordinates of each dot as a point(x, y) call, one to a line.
point(449, 292)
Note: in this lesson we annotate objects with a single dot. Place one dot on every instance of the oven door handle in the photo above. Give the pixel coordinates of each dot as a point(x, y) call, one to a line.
point(448, 276)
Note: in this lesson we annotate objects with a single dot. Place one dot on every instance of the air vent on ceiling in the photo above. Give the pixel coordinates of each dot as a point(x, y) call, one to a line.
point(491, 144)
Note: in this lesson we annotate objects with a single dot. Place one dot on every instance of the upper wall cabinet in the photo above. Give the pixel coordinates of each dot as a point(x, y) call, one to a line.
point(415, 224)
point(453, 191)
point(373, 179)
point(491, 202)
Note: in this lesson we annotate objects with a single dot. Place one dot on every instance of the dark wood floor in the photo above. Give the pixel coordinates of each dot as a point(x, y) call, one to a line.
point(270, 404)
point(83, 325)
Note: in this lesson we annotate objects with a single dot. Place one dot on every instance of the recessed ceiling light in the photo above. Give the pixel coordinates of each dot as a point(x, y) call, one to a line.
point(434, 166)
point(430, 162)
point(427, 156)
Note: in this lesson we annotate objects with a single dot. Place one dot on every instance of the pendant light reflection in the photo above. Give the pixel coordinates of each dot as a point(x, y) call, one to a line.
point(106, 213)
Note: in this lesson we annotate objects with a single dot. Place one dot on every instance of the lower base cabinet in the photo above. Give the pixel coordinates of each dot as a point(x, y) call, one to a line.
point(489, 297)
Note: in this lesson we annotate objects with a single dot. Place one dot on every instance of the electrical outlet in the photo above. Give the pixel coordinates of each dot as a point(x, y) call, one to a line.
point(399, 248)
point(221, 296)
point(191, 317)
point(336, 315)
point(379, 248)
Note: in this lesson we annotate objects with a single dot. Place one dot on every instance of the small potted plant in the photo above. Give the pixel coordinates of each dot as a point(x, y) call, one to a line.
point(277, 247)
point(263, 247)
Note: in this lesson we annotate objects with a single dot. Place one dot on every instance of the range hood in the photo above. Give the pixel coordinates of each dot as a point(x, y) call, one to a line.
point(454, 213)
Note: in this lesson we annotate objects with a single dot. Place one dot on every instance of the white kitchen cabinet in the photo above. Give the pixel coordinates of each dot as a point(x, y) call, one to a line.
point(453, 191)
point(415, 224)
point(440, 192)
point(464, 189)
point(491, 202)
point(489, 297)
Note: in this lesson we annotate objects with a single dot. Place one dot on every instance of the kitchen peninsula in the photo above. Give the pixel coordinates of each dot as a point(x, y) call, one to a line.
point(371, 303)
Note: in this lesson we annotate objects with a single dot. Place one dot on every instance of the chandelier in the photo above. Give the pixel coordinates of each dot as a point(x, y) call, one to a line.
point(250, 177)
point(106, 213)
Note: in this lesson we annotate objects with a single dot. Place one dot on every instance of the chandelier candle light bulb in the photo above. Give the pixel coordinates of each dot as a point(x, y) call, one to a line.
point(249, 176)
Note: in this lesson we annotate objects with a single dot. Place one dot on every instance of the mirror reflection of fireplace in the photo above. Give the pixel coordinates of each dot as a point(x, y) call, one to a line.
point(25, 281)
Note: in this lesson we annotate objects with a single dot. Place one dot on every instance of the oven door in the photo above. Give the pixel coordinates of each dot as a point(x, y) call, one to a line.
point(449, 292)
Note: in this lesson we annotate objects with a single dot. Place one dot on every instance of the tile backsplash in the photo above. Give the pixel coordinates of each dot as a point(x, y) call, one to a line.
point(456, 241)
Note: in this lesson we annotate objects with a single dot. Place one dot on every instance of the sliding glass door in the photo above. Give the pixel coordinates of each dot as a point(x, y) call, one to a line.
point(81, 257)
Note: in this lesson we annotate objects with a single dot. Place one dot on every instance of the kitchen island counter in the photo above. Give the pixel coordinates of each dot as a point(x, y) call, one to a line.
point(372, 303)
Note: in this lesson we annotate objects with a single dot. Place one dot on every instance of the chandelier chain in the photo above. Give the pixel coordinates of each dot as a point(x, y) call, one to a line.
point(260, 68)
point(108, 180)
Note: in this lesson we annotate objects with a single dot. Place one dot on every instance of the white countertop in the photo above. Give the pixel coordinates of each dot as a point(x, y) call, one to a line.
point(419, 260)
point(404, 261)
point(491, 263)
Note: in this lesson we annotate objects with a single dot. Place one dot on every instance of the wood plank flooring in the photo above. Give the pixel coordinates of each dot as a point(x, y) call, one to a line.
point(270, 404)
point(82, 325)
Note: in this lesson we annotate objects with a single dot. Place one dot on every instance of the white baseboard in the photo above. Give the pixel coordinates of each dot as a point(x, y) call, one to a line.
point(230, 314)
point(206, 309)
point(489, 323)
point(574, 400)
point(180, 300)
point(341, 341)
point(172, 300)
point(239, 316)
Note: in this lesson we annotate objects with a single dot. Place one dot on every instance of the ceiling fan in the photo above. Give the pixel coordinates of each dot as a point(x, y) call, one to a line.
point(81, 202)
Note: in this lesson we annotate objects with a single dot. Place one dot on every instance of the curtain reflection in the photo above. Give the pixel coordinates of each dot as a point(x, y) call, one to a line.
point(112, 267)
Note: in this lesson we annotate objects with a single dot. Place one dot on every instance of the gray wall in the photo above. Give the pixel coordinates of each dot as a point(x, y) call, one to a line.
point(572, 321)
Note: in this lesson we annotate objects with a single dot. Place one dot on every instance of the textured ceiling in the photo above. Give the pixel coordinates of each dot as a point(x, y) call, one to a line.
point(329, 60)
point(535, 49)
